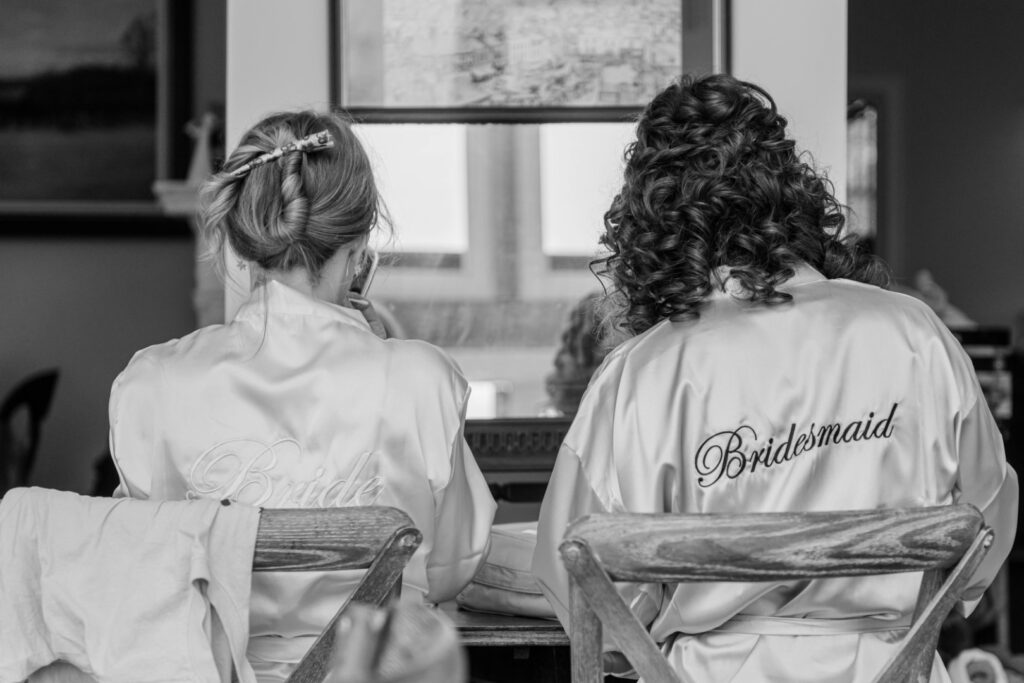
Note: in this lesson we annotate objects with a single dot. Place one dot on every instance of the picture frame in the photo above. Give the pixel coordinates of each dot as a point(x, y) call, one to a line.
point(93, 102)
point(516, 61)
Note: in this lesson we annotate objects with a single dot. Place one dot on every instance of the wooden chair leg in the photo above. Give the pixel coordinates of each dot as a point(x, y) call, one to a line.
point(628, 634)
point(585, 639)
point(375, 588)
point(914, 660)
point(931, 584)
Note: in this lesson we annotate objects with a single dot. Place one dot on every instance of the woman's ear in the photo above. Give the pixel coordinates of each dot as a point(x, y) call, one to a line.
point(357, 256)
point(354, 263)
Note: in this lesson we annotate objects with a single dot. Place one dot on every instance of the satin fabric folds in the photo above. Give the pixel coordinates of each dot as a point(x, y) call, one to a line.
point(296, 403)
point(123, 591)
point(849, 397)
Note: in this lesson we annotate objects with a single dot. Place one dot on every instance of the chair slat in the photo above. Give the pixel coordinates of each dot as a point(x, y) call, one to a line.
point(383, 574)
point(913, 661)
point(327, 539)
point(774, 546)
point(594, 594)
point(586, 638)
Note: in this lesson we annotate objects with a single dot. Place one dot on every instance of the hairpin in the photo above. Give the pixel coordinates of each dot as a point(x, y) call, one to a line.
point(310, 143)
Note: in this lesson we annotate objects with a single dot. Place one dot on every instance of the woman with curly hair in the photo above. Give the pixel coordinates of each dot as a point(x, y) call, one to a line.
point(766, 369)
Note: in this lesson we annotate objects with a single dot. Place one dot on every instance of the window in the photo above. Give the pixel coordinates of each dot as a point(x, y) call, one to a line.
point(421, 172)
point(495, 227)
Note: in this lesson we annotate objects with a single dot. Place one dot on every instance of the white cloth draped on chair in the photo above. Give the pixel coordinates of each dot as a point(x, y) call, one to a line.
point(124, 590)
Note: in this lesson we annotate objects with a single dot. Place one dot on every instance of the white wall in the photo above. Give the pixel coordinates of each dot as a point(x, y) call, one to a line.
point(277, 60)
point(796, 50)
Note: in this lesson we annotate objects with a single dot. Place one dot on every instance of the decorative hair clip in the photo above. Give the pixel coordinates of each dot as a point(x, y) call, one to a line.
point(310, 143)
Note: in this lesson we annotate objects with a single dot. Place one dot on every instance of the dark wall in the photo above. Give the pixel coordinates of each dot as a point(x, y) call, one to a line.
point(83, 293)
point(85, 305)
point(209, 55)
point(952, 75)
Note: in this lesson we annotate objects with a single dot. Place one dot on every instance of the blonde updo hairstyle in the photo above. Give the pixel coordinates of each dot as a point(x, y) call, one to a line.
point(298, 210)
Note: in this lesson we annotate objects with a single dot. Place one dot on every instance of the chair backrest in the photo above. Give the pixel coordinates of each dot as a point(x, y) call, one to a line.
point(375, 538)
point(946, 543)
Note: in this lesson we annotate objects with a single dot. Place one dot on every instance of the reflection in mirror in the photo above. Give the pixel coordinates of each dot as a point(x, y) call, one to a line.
point(862, 170)
point(494, 230)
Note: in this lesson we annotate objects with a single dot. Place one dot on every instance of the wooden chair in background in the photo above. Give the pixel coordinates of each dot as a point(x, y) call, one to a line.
point(21, 416)
point(947, 543)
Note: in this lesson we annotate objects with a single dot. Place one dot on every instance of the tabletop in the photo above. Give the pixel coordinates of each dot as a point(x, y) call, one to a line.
point(480, 629)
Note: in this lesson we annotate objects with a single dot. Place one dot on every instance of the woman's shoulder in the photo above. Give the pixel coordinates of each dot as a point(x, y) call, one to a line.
point(664, 338)
point(147, 362)
point(426, 384)
point(420, 351)
point(892, 299)
point(422, 360)
point(858, 301)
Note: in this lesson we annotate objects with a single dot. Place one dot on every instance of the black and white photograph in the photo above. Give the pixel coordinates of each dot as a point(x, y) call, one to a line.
point(524, 53)
point(78, 98)
point(511, 341)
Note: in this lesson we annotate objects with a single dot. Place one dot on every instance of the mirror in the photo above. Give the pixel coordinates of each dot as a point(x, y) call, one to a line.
point(495, 227)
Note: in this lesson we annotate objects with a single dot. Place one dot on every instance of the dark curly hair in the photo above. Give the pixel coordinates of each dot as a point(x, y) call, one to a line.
point(712, 180)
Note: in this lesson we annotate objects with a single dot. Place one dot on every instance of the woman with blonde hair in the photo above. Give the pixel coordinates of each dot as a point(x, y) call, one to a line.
point(297, 402)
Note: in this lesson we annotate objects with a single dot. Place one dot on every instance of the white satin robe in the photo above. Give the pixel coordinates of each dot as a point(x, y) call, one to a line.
point(296, 403)
point(850, 397)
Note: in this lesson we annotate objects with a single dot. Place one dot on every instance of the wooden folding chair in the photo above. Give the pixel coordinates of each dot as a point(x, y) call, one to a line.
point(376, 538)
point(947, 543)
point(22, 413)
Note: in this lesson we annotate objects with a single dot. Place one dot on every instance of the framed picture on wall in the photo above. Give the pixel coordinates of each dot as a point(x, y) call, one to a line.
point(488, 61)
point(84, 106)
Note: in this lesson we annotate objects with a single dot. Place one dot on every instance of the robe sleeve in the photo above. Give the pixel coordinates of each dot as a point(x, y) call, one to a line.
point(985, 480)
point(585, 480)
point(133, 427)
point(983, 477)
point(464, 511)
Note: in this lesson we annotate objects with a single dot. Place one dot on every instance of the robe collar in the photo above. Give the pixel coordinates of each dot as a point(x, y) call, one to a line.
point(276, 299)
point(724, 286)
